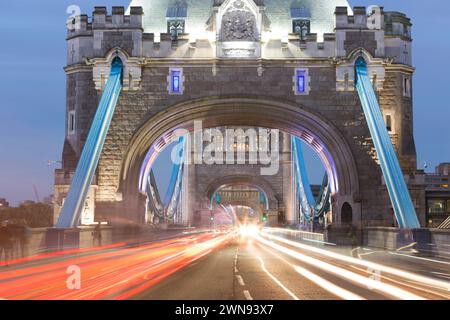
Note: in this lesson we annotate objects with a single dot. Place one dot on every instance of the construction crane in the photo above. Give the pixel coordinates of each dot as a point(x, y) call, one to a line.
point(36, 193)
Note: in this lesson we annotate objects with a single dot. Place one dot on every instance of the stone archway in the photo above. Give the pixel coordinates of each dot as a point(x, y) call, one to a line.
point(256, 182)
point(316, 131)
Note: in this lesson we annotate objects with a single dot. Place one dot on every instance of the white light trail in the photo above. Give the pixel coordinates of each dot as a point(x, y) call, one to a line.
point(419, 258)
point(327, 285)
point(319, 241)
point(343, 273)
point(405, 284)
point(372, 265)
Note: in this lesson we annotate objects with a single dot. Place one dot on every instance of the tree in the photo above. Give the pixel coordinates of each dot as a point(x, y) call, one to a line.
point(3, 203)
point(32, 214)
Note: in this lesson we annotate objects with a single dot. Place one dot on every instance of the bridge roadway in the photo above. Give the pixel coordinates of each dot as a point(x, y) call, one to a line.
point(225, 265)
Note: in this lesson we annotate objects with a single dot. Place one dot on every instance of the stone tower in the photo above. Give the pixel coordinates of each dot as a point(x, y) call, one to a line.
point(285, 65)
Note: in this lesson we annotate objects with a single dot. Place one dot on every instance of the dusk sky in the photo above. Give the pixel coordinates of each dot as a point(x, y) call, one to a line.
point(32, 87)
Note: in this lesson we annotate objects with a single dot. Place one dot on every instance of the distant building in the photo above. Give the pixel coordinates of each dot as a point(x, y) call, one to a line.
point(3, 203)
point(28, 203)
point(438, 195)
point(48, 200)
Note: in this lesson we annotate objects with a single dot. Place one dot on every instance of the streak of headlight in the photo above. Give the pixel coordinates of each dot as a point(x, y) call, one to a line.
point(278, 282)
point(375, 266)
point(318, 241)
point(289, 231)
point(327, 285)
point(321, 280)
point(419, 258)
point(405, 284)
point(340, 272)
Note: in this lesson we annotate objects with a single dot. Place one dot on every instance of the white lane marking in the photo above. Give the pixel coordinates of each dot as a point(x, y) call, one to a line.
point(278, 282)
point(419, 258)
point(240, 280)
point(368, 253)
point(327, 285)
point(375, 266)
point(355, 250)
point(247, 295)
point(412, 244)
point(343, 273)
point(236, 270)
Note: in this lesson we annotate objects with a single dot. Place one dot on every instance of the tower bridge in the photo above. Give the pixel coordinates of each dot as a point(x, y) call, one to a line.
point(237, 92)
point(327, 76)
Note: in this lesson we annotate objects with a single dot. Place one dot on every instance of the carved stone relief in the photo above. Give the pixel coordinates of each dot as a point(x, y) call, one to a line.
point(238, 24)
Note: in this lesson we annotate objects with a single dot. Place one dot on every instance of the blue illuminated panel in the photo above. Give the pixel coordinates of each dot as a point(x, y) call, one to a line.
point(301, 81)
point(176, 81)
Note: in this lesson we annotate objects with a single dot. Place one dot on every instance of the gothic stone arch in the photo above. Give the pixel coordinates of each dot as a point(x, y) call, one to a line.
point(317, 131)
point(257, 182)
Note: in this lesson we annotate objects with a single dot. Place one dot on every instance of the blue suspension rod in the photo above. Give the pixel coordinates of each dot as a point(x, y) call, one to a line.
point(304, 192)
point(84, 173)
point(154, 199)
point(323, 200)
point(404, 210)
point(178, 163)
point(173, 194)
point(167, 209)
point(307, 202)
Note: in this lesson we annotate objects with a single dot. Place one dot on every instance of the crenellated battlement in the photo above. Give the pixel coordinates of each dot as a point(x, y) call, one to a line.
point(383, 34)
point(310, 46)
point(356, 21)
point(117, 20)
point(94, 37)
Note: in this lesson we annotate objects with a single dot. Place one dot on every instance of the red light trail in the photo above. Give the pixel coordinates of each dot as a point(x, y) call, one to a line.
point(118, 273)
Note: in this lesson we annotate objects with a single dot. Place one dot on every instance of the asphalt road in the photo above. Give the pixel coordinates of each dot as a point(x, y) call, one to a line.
point(222, 265)
point(249, 269)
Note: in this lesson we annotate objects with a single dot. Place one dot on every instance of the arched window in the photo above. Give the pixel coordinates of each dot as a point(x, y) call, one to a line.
point(346, 214)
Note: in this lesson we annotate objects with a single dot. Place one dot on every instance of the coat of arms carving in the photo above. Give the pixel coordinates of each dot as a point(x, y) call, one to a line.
point(238, 24)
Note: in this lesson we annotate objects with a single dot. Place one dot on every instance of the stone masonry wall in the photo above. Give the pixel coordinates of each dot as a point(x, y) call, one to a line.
point(266, 78)
point(342, 109)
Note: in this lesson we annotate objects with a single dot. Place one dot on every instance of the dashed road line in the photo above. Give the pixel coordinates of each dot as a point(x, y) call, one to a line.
point(240, 280)
point(236, 270)
point(247, 295)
